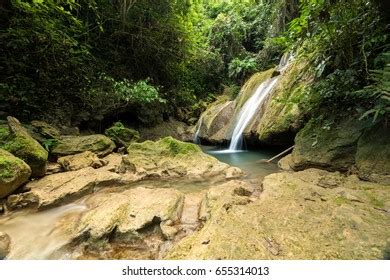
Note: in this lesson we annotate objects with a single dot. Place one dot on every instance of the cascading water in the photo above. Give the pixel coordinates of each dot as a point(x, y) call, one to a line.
point(249, 110)
point(252, 104)
point(196, 136)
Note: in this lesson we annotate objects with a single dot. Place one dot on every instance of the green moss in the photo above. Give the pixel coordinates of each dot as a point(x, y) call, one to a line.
point(167, 146)
point(122, 135)
point(27, 150)
point(9, 165)
point(341, 200)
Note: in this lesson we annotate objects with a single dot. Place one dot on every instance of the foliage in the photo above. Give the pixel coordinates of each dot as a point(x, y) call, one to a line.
point(240, 69)
point(379, 91)
point(341, 40)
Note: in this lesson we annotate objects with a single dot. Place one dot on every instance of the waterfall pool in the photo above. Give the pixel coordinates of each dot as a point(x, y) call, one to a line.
point(249, 161)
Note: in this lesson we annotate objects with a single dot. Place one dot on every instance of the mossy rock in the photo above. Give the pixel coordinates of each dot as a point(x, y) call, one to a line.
point(70, 145)
point(14, 172)
point(283, 116)
point(121, 135)
point(20, 143)
point(373, 155)
point(167, 146)
point(328, 143)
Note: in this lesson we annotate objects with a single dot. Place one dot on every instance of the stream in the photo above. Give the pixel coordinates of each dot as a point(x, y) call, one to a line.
point(40, 235)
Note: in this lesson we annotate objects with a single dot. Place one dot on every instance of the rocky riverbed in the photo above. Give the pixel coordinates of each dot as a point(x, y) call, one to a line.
point(168, 200)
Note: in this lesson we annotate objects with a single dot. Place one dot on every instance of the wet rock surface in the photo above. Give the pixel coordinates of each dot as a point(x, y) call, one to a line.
point(5, 245)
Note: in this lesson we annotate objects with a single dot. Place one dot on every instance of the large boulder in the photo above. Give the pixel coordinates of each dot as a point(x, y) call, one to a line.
point(312, 214)
point(20, 143)
point(173, 128)
point(283, 116)
point(214, 125)
point(121, 135)
point(80, 161)
point(14, 172)
point(125, 213)
point(70, 145)
point(373, 155)
point(57, 189)
point(169, 157)
point(327, 143)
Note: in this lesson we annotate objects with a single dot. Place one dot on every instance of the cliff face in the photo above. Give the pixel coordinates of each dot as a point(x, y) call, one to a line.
point(276, 121)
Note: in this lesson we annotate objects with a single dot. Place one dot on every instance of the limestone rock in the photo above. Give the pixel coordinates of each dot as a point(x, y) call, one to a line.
point(215, 122)
point(121, 135)
point(70, 145)
point(285, 163)
point(80, 161)
point(373, 155)
point(5, 244)
point(125, 213)
point(22, 145)
point(45, 130)
point(61, 188)
point(14, 172)
point(176, 129)
point(169, 157)
point(329, 144)
point(294, 218)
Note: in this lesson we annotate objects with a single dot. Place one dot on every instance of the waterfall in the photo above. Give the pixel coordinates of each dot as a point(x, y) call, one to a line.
point(196, 136)
point(249, 110)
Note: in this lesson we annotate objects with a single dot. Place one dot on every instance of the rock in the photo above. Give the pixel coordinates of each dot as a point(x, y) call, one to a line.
point(282, 116)
point(285, 163)
point(275, 123)
point(123, 214)
point(215, 122)
point(53, 168)
point(169, 157)
point(45, 130)
point(22, 145)
point(176, 129)
point(57, 189)
point(329, 144)
point(74, 131)
point(293, 218)
point(80, 161)
point(168, 230)
point(70, 145)
point(14, 172)
point(373, 155)
point(121, 135)
point(5, 245)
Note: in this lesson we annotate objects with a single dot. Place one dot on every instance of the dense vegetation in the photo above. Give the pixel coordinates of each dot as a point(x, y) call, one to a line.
point(83, 61)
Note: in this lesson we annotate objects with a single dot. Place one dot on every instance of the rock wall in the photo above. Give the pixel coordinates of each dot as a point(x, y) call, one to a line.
point(275, 123)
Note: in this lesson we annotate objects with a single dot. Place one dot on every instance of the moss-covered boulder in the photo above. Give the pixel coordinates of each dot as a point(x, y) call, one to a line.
point(283, 115)
point(20, 143)
point(373, 155)
point(42, 131)
point(14, 172)
point(121, 135)
point(70, 145)
point(327, 143)
point(169, 157)
point(174, 128)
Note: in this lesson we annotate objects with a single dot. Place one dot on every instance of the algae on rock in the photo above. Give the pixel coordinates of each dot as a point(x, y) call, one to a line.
point(20, 143)
point(14, 172)
point(121, 135)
